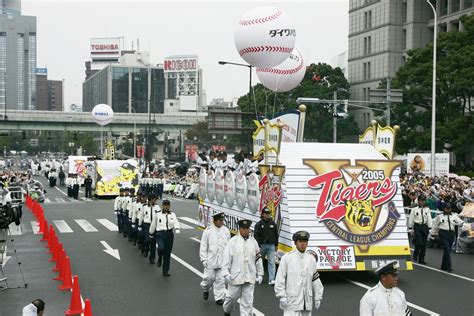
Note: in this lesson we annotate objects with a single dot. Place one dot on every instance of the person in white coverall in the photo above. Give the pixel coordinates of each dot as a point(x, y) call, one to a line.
point(385, 299)
point(242, 268)
point(213, 242)
point(297, 283)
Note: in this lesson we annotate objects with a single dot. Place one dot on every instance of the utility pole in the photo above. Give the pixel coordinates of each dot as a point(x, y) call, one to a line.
point(388, 101)
point(334, 118)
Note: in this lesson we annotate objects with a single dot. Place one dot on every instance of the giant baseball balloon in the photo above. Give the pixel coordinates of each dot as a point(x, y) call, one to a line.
point(102, 114)
point(285, 76)
point(265, 37)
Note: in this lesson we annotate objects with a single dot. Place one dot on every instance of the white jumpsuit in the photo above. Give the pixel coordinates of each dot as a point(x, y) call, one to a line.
point(242, 264)
point(211, 252)
point(298, 282)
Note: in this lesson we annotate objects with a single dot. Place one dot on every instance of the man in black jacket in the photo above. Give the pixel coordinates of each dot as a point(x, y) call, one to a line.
point(88, 186)
point(266, 234)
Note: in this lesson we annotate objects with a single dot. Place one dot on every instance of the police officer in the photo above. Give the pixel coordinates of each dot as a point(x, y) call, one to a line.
point(385, 298)
point(144, 222)
point(213, 242)
point(69, 184)
point(118, 209)
point(75, 187)
point(444, 224)
point(88, 186)
point(124, 212)
point(266, 234)
point(130, 209)
point(162, 227)
point(297, 281)
point(242, 268)
point(137, 206)
point(420, 221)
point(160, 188)
point(139, 214)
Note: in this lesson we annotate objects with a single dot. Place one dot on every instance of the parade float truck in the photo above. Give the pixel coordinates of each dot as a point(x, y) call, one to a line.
point(347, 196)
point(112, 175)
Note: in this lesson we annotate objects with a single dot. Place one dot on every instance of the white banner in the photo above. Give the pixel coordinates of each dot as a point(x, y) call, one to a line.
point(385, 141)
point(418, 162)
point(290, 119)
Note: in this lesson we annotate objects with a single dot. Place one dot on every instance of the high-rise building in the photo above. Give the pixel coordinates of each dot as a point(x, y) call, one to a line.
point(49, 93)
point(382, 32)
point(17, 57)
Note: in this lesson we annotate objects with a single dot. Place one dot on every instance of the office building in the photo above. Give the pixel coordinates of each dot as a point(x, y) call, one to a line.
point(49, 93)
point(382, 32)
point(126, 88)
point(17, 57)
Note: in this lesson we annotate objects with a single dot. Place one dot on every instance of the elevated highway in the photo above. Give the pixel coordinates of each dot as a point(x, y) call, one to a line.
point(83, 121)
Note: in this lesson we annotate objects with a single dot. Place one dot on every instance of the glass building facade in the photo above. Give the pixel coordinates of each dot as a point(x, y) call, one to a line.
point(3, 68)
point(32, 71)
point(21, 70)
point(129, 89)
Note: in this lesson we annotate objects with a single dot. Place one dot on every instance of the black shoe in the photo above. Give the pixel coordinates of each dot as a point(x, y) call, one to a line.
point(124, 236)
point(205, 296)
point(422, 262)
point(134, 243)
point(220, 302)
point(226, 314)
point(158, 263)
point(145, 253)
point(151, 261)
point(166, 274)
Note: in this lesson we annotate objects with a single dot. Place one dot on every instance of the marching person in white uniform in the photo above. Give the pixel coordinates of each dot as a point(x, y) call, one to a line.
point(213, 242)
point(242, 268)
point(385, 299)
point(420, 221)
point(297, 283)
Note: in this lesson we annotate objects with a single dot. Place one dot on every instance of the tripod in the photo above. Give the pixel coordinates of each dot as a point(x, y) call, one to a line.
point(3, 251)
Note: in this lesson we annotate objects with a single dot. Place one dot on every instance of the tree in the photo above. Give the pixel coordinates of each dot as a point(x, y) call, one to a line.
point(320, 81)
point(454, 94)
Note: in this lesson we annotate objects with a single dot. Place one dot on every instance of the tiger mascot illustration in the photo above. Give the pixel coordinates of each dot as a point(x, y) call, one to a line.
point(359, 213)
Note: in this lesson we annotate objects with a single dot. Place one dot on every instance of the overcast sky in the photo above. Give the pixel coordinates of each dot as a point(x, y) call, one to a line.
point(205, 28)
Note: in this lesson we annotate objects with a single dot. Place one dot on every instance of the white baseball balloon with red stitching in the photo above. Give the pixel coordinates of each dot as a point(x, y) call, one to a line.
point(265, 37)
point(286, 76)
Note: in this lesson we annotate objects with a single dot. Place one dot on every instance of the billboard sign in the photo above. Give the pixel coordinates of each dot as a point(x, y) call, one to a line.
point(418, 162)
point(105, 49)
point(41, 71)
point(180, 63)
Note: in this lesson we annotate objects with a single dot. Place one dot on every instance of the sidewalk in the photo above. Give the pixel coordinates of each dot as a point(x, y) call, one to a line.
point(37, 272)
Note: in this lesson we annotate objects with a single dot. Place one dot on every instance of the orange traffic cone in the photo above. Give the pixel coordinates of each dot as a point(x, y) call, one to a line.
point(52, 238)
point(54, 249)
point(75, 307)
point(87, 308)
point(60, 262)
point(45, 231)
point(67, 281)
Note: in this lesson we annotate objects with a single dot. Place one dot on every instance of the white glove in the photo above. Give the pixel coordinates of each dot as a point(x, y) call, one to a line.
point(204, 263)
point(259, 279)
point(139, 228)
point(133, 226)
point(283, 303)
point(228, 278)
point(317, 304)
point(177, 231)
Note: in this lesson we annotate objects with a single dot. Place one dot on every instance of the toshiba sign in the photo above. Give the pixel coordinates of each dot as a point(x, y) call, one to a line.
point(181, 64)
point(105, 49)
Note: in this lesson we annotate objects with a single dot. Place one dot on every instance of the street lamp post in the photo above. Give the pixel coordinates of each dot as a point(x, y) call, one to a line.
point(433, 98)
point(250, 77)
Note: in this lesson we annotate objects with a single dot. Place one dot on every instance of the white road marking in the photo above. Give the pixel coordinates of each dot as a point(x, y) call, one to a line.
point(61, 200)
point(61, 191)
point(34, 227)
point(108, 224)
point(444, 272)
point(113, 252)
point(62, 226)
point(190, 220)
point(47, 200)
point(255, 311)
point(15, 230)
point(184, 226)
point(86, 225)
point(73, 200)
point(195, 239)
point(424, 310)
